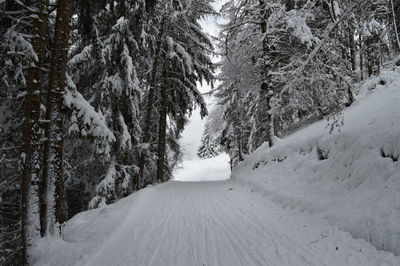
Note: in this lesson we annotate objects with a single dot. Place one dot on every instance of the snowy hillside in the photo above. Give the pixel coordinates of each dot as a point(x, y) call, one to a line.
point(350, 178)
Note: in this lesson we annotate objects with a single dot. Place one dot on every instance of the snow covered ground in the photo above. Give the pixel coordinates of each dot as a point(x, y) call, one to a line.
point(212, 169)
point(204, 223)
point(349, 178)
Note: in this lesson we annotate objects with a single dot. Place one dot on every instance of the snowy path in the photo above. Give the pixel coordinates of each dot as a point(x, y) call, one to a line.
point(223, 223)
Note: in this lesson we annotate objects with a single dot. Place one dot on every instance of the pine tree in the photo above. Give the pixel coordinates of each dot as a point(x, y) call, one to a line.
point(146, 137)
point(21, 57)
point(105, 69)
point(208, 148)
point(180, 60)
point(187, 62)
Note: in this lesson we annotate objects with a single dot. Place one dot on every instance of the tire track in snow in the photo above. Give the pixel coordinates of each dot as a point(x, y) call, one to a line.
point(165, 226)
point(266, 237)
point(236, 240)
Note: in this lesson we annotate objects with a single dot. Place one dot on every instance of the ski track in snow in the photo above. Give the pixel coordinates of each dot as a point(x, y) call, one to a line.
point(206, 223)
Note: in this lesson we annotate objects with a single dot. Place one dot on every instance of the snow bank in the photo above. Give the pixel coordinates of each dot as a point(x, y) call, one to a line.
point(88, 231)
point(352, 177)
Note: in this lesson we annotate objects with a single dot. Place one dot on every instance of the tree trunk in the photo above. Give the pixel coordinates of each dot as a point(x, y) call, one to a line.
point(361, 56)
point(352, 47)
point(395, 25)
point(30, 216)
point(352, 57)
point(266, 91)
point(53, 175)
point(162, 130)
point(237, 126)
point(150, 101)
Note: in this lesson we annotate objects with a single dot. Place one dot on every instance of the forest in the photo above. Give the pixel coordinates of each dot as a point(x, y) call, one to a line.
point(95, 94)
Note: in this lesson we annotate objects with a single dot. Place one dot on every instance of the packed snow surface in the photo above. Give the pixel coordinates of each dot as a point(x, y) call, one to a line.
point(351, 178)
point(204, 223)
point(211, 169)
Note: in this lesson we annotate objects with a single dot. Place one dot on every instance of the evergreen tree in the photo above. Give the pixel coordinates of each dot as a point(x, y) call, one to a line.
point(208, 148)
point(287, 63)
point(111, 58)
point(183, 59)
point(16, 54)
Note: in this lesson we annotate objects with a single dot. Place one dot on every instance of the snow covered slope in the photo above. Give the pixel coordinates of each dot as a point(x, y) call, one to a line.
point(350, 178)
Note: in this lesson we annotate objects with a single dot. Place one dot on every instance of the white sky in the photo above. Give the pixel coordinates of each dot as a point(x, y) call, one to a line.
point(193, 168)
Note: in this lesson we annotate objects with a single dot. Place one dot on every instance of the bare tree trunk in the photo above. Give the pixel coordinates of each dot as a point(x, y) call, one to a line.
point(266, 91)
point(352, 47)
point(237, 127)
point(30, 214)
point(361, 55)
point(53, 176)
point(352, 58)
point(238, 136)
point(395, 26)
point(162, 130)
point(150, 101)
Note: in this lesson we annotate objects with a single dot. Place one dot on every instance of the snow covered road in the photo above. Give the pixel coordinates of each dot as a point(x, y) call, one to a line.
point(223, 223)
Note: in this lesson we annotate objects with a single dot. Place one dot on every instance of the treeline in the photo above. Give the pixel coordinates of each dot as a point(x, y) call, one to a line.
point(286, 63)
point(94, 97)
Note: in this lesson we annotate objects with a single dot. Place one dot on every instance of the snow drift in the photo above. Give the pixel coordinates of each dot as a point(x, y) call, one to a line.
point(351, 177)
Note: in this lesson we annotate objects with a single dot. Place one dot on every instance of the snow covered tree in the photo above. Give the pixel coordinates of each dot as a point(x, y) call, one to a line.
point(109, 71)
point(120, 72)
point(149, 121)
point(16, 53)
point(181, 59)
point(208, 148)
point(292, 62)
